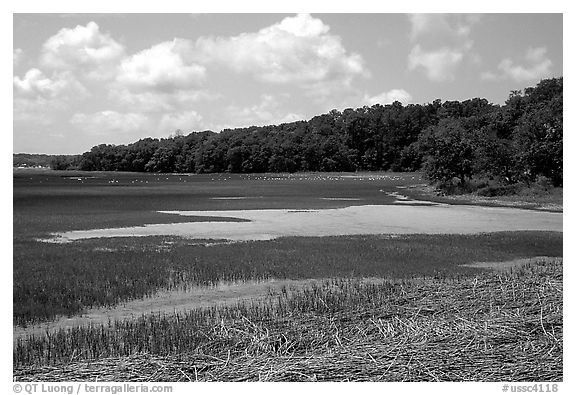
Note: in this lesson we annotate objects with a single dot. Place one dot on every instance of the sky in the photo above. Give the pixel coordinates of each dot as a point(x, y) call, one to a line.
point(85, 79)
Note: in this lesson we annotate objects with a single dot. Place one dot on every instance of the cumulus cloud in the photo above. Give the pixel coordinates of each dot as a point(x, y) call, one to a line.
point(162, 68)
point(298, 49)
point(185, 120)
point(441, 44)
point(35, 83)
point(536, 66)
point(161, 78)
point(37, 96)
point(389, 97)
point(71, 62)
point(83, 48)
point(297, 52)
point(106, 122)
point(439, 65)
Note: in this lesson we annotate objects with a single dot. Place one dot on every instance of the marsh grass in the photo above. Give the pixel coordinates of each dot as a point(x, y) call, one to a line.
point(487, 327)
point(52, 280)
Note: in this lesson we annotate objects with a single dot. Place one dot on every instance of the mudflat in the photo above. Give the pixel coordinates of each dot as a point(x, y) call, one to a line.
point(354, 220)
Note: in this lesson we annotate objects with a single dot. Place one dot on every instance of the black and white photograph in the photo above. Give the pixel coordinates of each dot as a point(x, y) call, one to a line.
point(286, 197)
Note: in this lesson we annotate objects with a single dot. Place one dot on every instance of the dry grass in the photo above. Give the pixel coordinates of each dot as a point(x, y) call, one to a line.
point(492, 327)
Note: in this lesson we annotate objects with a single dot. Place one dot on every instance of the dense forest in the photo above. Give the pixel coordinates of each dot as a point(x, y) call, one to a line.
point(455, 143)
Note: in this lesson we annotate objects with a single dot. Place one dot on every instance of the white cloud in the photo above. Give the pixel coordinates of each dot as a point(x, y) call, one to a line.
point(296, 50)
point(40, 111)
point(36, 83)
point(18, 53)
point(162, 78)
point(108, 122)
point(155, 101)
point(537, 66)
point(124, 127)
point(85, 48)
point(442, 25)
point(441, 44)
point(422, 23)
point(302, 25)
point(439, 65)
point(488, 76)
point(161, 68)
point(536, 55)
point(269, 111)
point(70, 62)
point(38, 97)
point(389, 97)
point(186, 121)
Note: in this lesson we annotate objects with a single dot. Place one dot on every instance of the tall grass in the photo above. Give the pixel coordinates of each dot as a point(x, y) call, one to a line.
point(52, 280)
point(487, 327)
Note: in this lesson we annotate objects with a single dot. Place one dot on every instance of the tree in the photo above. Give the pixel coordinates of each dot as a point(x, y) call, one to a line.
point(538, 140)
point(494, 157)
point(449, 152)
point(64, 162)
point(235, 156)
point(162, 161)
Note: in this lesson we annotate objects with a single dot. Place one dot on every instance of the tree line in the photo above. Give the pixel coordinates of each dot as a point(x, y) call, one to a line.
point(453, 142)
